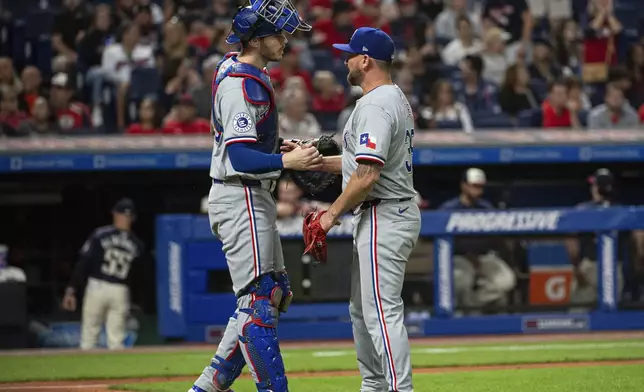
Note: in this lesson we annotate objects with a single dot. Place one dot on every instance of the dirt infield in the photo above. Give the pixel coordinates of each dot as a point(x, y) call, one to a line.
point(104, 385)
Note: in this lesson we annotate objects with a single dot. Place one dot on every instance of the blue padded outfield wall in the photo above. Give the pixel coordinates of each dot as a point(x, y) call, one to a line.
point(186, 251)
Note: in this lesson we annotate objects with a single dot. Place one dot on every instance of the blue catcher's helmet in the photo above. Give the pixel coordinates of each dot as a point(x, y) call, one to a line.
point(263, 18)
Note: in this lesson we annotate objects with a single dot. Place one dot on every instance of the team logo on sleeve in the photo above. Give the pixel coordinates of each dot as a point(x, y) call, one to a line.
point(242, 122)
point(368, 141)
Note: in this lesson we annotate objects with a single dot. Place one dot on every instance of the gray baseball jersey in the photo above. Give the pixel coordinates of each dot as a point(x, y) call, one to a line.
point(239, 119)
point(381, 130)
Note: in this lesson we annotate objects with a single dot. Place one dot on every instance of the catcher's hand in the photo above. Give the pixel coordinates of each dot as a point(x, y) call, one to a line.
point(314, 236)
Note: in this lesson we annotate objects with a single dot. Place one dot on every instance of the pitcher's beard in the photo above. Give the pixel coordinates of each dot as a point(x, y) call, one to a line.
point(355, 77)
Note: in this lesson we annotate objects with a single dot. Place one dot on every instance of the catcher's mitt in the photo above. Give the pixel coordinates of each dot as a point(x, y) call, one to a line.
point(316, 181)
point(314, 236)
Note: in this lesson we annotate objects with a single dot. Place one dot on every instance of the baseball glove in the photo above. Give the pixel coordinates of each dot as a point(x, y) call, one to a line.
point(316, 181)
point(314, 236)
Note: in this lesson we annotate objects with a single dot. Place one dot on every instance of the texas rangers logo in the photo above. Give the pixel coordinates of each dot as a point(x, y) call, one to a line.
point(368, 141)
point(242, 122)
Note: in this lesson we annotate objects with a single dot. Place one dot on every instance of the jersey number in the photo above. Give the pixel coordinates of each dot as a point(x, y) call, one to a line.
point(409, 142)
point(116, 263)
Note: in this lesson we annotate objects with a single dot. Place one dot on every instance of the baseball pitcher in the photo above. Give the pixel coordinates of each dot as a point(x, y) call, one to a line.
point(106, 260)
point(246, 162)
point(376, 166)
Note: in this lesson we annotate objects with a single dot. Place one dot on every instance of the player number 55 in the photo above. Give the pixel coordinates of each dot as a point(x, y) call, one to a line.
point(116, 263)
point(409, 141)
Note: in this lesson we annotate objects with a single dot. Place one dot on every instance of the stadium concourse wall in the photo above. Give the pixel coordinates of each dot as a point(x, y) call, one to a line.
point(186, 250)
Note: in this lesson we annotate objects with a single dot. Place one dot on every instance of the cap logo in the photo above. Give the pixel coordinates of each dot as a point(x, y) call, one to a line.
point(364, 49)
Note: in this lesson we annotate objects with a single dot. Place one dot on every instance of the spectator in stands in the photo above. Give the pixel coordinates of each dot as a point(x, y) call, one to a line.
point(32, 88)
point(290, 202)
point(70, 115)
point(409, 21)
point(448, 21)
point(600, 40)
point(202, 94)
point(443, 111)
point(145, 20)
point(577, 94)
point(183, 119)
point(369, 15)
point(516, 94)
point(8, 77)
point(295, 119)
point(69, 28)
point(155, 9)
point(149, 119)
point(328, 96)
point(119, 59)
point(481, 277)
point(10, 114)
point(515, 18)
point(476, 93)
point(620, 76)
point(494, 57)
point(355, 92)
point(187, 78)
point(199, 36)
point(174, 49)
point(543, 67)
point(431, 8)
point(405, 82)
point(641, 113)
point(90, 49)
point(465, 43)
point(220, 12)
point(41, 120)
point(582, 250)
point(289, 66)
point(558, 110)
point(614, 113)
point(635, 65)
point(123, 12)
point(321, 9)
point(568, 47)
point(186, 9)
point(339, 28)
point(288, 199)
point(553, 11)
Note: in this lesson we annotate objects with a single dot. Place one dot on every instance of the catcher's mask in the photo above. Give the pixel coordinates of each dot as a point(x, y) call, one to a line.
point(263, 18)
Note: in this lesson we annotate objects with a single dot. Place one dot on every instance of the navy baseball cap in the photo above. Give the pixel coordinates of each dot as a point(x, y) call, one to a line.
point(370, 41)
point(124, 206)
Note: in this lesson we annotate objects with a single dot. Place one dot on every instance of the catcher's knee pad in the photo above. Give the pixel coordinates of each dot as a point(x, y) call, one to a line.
point(265, 358)
point(287, 295)
point(227, 370)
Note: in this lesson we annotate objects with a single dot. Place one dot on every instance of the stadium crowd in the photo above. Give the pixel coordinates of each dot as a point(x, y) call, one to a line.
point(145, 67)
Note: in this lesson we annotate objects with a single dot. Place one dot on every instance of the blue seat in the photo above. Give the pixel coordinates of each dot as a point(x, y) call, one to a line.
point(327, 120)
point(628, 15)
point(499, 121)
point(539, 88)
point(531, 118)
point(322, 59)
point(447, 125)
point(144, 82)
point(42, 54)
point(19, 44)
point(39, 23)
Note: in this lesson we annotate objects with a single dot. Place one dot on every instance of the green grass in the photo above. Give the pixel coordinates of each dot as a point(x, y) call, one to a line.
point(107, 365)
point(624, 378)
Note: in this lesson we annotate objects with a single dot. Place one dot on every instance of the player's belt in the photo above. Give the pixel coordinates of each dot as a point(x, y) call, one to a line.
point(374, 202)
point(268, 185)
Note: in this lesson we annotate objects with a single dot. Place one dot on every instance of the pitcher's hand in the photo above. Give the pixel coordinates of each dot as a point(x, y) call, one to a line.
point(305, 158)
